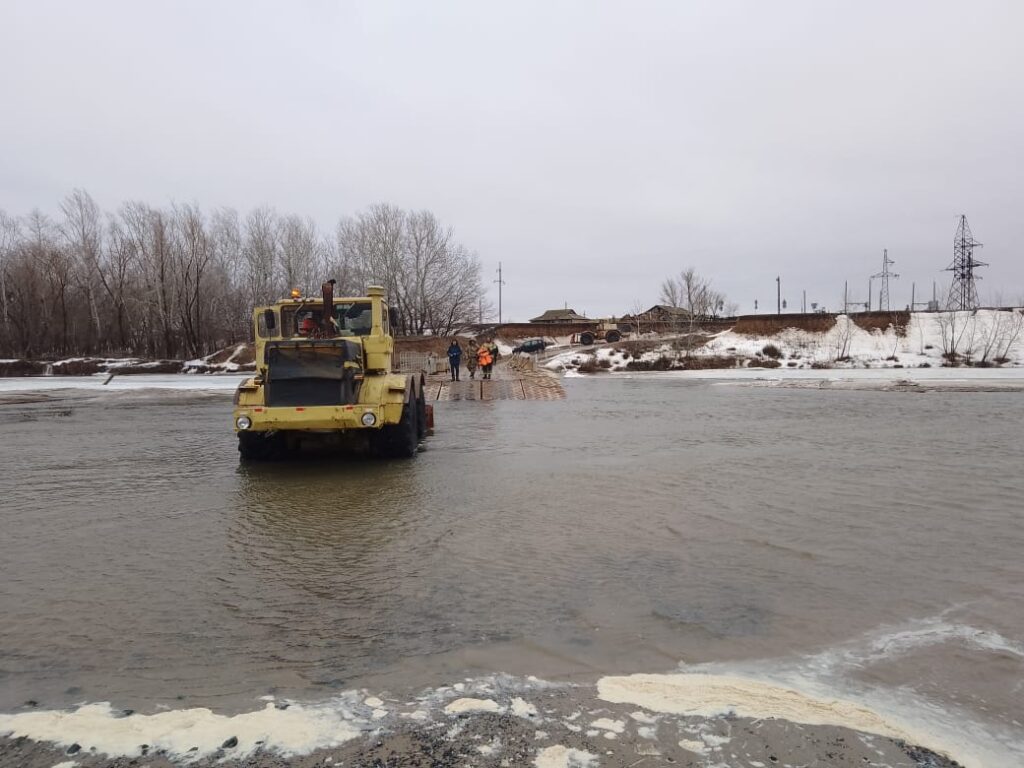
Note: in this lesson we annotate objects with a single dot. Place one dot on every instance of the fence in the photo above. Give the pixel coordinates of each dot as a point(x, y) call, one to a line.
point(427, 362)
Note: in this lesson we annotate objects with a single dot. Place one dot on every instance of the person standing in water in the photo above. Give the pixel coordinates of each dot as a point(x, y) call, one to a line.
point(455, 358)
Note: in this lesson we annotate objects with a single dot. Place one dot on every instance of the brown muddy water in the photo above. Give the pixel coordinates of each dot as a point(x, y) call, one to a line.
point(866, 544)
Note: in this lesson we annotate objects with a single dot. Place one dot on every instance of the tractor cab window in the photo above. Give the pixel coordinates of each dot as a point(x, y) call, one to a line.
point(306, 321)
point(356, 318)
point(263, 330)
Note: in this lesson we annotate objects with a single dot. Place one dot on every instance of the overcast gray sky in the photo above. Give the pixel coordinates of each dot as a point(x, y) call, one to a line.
point(592, 148)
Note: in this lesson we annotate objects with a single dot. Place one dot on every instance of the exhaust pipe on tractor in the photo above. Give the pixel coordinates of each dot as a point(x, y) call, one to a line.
point(327, 321)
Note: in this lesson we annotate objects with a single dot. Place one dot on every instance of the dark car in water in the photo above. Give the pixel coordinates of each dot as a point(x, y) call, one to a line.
point(530, 345)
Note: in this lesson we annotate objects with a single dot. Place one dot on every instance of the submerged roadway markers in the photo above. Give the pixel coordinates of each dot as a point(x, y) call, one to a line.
point(509, 383)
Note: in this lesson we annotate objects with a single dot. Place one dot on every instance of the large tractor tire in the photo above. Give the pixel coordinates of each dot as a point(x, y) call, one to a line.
point(257, 446)
point(402, 440)
point(586, 339)
point(613, 336)
point(421, 415)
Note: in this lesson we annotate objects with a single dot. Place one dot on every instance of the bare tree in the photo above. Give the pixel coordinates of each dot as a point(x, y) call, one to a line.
point(433, 282)
point(181, 281)
point(693, 293)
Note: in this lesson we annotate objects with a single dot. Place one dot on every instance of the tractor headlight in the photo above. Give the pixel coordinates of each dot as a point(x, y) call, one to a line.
point(368, 419)
point(243, 422)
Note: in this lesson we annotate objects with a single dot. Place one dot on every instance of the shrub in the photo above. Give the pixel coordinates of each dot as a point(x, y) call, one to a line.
point(769, 325)
point(705, 362)
point(880, 321)
point(770, 350)
point(659, 364)
point(589, 366)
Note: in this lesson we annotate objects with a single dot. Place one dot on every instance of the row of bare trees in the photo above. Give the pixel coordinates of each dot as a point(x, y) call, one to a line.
point(181, 282)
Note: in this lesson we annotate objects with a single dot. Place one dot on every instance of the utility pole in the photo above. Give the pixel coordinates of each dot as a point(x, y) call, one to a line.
point(885, 274)
point(778, 295)
point(500, 283)
point(803, 307)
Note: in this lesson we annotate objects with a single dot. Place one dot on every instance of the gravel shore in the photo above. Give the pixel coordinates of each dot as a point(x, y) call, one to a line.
point(552, 729)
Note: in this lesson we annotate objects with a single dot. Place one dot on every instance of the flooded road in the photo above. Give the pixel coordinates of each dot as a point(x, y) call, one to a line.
point(869, 541)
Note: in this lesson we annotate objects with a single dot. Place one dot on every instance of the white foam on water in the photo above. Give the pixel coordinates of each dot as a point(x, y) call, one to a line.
point(607, 724)
point(468, 705)
point(296, 730)
point(888, 643)
point(768, 690)
point(522, 708)
point(65, 764)
point(643, 717)
point(691, 745)
point(564, 757)
point(709, 696)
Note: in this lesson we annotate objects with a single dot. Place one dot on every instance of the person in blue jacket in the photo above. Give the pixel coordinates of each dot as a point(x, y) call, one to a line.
point(455, 358)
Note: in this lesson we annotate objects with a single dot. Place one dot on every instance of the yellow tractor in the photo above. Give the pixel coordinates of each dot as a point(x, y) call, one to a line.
point(323, 380)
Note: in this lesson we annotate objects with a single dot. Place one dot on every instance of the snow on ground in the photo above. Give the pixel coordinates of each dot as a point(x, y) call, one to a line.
point(986, 335)
point(239, 357)
point(989, 337)
point(226, 382)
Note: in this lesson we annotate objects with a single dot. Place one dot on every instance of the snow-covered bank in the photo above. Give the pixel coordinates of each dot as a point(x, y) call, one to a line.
point(225, 382)
point(234, 359)
point(982, 339)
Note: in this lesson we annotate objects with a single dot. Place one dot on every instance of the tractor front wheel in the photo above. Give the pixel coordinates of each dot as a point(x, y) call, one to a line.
point(400, 441)
point(257, 446)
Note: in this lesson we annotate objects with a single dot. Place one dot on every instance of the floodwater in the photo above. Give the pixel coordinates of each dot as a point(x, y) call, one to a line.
point(871, 541)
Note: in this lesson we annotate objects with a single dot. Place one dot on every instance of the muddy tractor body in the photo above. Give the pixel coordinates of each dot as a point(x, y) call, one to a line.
point(324, 380)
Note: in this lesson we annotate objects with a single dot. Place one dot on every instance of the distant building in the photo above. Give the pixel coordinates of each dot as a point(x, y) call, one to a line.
point(561, 316)
point(663, 313)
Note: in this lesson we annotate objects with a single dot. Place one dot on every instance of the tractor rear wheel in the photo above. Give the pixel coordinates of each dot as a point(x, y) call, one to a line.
point(586, 339)
point(421, 416)
point(613, 336)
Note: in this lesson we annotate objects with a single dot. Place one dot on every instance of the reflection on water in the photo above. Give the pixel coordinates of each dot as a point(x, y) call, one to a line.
point(637, 524)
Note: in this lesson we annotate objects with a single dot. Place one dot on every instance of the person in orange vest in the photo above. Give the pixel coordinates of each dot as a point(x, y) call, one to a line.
point(484, 359)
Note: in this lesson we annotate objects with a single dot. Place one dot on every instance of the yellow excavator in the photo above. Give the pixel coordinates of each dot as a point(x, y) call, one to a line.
point(323, 380)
